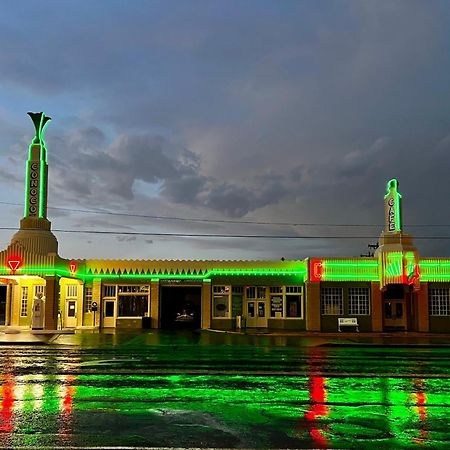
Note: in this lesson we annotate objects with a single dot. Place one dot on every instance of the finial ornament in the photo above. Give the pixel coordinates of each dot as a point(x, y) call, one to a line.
point(40, 120)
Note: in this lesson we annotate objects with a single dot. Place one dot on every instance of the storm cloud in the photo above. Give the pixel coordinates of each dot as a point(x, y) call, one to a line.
point(292, 111)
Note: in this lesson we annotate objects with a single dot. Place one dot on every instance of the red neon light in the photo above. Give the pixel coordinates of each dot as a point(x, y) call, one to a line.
point(73, 267)
point(316, 270)
point(14, 262)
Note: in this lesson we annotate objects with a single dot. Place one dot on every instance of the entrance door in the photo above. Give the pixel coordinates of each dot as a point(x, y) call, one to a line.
point(257, 313)
point(71, 314)
point(395, 314)
point(109, 313)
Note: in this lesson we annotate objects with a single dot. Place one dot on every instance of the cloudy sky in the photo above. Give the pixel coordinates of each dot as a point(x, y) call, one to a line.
point(229, 111)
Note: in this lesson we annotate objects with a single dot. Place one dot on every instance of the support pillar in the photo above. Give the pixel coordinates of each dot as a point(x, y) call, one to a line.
point(377, 307)
point(312, 304)
point(423, 320)
point(51, 303)
point(97, 297)
point(154, 303)
point(206, 304)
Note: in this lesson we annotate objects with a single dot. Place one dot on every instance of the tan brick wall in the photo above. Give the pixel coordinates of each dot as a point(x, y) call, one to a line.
point(422, 308)
point(206, 305)
point(312, 306)
point(97, 297)
point(51, 303)
point(377, 307)
point(154, 303)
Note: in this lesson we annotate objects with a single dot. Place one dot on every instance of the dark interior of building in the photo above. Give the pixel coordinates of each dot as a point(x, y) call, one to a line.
point(180, 307)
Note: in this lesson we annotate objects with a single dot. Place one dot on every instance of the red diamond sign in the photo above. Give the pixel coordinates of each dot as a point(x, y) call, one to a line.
point(14, 262)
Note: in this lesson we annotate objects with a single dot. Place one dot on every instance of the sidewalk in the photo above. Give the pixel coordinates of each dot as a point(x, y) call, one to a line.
point(354, 339)
point(25, 336)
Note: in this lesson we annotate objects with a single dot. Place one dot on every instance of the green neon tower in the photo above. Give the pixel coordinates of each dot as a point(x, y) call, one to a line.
point(34, 233)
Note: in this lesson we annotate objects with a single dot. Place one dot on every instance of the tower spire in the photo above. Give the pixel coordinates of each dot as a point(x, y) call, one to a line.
point(37, 171)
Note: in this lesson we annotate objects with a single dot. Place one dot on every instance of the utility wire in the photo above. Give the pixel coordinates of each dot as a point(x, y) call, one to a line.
point(218, 235)
point(251, 222)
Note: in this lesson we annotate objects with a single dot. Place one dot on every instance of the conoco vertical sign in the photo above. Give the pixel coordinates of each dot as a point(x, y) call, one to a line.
point(33, 189)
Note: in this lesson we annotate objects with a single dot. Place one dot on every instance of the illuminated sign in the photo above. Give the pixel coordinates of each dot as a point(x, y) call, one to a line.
point(33, 186)
point(73, 268)
point(392, 207)
point(14, 263)
point(316, 269)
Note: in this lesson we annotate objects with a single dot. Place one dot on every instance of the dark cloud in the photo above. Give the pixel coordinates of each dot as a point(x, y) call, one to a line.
point(268, 110)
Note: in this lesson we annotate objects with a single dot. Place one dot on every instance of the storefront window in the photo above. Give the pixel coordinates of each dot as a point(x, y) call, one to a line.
point(133, 305)
point(293, 306)
point(220, 305)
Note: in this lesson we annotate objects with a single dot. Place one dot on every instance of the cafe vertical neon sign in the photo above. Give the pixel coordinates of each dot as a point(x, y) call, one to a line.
point(392, 205)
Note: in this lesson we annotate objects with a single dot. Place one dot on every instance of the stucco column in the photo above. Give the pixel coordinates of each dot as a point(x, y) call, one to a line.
point(312, 304)
point(154, 303)
point(206, 304)
point(51, 303)
point(423, 319)
point(377, 307)
point(96, 297)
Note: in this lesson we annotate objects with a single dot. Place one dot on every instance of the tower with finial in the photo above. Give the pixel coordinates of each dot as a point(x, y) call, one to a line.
point(34, 233)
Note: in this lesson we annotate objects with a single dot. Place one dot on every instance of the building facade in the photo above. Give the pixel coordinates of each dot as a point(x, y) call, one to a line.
point(396, 289)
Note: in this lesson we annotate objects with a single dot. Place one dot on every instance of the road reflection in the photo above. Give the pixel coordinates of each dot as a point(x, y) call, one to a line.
point(320, 405)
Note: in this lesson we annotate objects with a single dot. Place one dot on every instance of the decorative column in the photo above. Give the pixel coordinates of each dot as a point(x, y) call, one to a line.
point(51, 303)
point(312, 304)
point(206, 304)
point(154, 303)
point(377, 307)
point(96, 297)
point(423, 319)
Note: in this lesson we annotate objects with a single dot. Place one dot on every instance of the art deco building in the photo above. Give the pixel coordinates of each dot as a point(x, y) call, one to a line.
point(396, 289)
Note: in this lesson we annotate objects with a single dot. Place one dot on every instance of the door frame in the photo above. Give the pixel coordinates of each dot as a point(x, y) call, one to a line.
point(257, 321)
point(395, 322)
point(109, 321)
point(71, 321)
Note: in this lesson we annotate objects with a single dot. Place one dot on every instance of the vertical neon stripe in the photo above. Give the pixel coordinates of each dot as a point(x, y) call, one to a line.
point(27, 184)
point(41, 186)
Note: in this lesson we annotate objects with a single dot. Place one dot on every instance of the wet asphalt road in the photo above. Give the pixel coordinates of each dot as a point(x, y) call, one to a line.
point(188, 389)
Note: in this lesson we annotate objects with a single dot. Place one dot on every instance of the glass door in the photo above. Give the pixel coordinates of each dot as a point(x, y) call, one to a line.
point(109, 313)
point(71, 314)
point(395, 314)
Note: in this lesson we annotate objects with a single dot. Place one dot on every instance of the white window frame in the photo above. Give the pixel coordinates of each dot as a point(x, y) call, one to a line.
point(87, 299)
point(72, 291)
point(293, 290)
point(255, 292)
point(221, 291)
point(24, 302)
point(108, 289)
point(357, 296)
point(439, 302)
point(335, 298)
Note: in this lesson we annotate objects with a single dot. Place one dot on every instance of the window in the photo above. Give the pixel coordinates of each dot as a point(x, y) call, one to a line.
point(237, 289)
point(256, 292)
point(131, 289)
point(87, 299)
point(24, 304)
point(109, 291)
point(358, 301)
point(331, 301)
point(39, 291)
point(276, 305)
point(276, 290)
point(72, 291)
point(220, 305)
point(294, 305)
point(439, 301)
point(221, 301)
point(133, 305)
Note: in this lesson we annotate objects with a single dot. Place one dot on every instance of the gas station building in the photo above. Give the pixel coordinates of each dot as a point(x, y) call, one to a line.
point(396, 289)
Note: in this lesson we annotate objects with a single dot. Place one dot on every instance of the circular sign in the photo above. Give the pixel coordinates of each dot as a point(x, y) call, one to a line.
point(94, 304)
